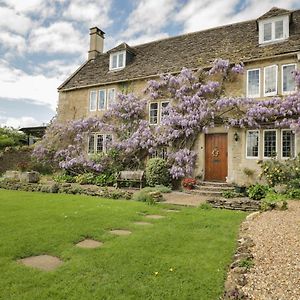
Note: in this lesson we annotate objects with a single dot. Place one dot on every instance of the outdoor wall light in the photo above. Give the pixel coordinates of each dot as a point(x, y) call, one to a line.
point(236, 136)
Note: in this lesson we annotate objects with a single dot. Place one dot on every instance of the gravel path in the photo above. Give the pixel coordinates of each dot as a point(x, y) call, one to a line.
point(276, 274)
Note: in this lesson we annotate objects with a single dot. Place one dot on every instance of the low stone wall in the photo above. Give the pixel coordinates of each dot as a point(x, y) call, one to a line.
point(244, 204)
point(66, 188)
point(242, 262)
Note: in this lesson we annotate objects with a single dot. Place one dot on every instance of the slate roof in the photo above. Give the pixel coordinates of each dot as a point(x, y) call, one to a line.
point(236, 42)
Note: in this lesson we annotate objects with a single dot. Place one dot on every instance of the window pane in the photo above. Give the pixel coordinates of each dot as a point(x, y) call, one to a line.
point(270, 143)
point(99, 145)
point(252, 143)
point(93, 100)
point(91, 148)
point(253, 83)
point(111, 97)
point(288, 144)
point(153, 113)
point(279, 29)
point(101, 103)
point(267, 32)
point(270, 80)
point(108, 141)
point(114, 61)
point(288, 80)
point(120, 63)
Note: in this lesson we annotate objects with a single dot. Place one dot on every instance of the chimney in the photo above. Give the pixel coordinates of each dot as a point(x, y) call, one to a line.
point(96, 42)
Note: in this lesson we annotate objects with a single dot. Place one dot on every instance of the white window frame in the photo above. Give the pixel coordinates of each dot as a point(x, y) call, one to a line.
point(270, 157)
point(276, 81)
point(259, 84)
point(118, 56)
point(96, 134)
point(258, 154)
point(281, 145)
point(285, 34)
point(158, 113)
point(108, 100)
point(90, 106)
point(105, 99)
point(287, 92)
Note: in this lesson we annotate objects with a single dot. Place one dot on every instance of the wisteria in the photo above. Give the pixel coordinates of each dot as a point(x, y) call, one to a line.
point(197, 103)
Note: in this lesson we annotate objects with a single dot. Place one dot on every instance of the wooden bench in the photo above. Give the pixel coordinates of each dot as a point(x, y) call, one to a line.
point(131, 177)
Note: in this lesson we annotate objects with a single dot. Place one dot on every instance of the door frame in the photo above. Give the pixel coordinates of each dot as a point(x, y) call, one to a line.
point(211, 134)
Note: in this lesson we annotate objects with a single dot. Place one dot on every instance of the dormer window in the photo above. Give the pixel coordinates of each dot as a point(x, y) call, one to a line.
point(117, 60)
point(273, 29)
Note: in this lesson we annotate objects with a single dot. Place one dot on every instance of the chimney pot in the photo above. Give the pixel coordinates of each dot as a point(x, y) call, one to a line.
point(96, 42)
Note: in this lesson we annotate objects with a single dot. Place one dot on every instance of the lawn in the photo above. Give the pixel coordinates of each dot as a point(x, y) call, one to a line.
point(197, 244)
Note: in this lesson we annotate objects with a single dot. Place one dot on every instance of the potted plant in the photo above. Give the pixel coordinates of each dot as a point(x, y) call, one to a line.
point(188, 183)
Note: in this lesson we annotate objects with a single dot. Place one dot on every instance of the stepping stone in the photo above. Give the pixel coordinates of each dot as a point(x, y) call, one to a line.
point(120, 232)
point(172, 210)
point(142, 223)
point(42, 262)
point(154, 216)
point(89, 244)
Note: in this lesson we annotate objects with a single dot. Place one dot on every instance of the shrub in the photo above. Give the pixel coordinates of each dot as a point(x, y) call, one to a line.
point(229, 194)
point(85, 178)
point(257, 192)
point(104, 179)
point(158, 188)
point(142, 196)
point(64, 178)
point(188, 183)
point(205, 206)
point(157, 172)
point(294, 193)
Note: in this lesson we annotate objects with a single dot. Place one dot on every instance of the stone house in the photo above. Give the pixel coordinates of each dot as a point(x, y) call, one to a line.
point(269, 47)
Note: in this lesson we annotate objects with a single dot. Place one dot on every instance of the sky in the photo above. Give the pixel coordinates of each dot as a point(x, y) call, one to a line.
point(43, 41)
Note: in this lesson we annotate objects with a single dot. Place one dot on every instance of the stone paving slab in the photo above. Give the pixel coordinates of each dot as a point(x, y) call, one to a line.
point(42, 262)
point(89, 244)
point(120, 232)
point(182, 198)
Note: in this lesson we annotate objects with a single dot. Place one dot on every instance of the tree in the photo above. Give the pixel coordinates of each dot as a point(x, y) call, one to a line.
point(197, 103)
point(10, 137)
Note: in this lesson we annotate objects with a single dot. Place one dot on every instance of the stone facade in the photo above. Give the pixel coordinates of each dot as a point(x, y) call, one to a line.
point(74, 93)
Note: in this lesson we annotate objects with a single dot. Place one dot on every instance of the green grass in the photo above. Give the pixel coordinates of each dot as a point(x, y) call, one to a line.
point(197, 243)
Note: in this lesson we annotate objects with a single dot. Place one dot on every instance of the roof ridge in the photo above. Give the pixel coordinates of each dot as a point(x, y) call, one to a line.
point(197, 31)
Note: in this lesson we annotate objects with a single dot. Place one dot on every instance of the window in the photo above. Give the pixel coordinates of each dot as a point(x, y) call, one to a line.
point(273, 30)
point(253, 83)
point(91, 144)
point(117, 60)
point(110, 97)
point(252, 142)
point(162, 153)
point(287, 143)
point(270, 80)
point(153, 113)
point(93, 100)
point(288, 80)
point(163, 112)
point(98, 143)
point(102, 99)
point(270, 143)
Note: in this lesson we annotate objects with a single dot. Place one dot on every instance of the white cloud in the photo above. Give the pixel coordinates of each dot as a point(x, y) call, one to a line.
point(95, 13)
point(146, 38)
point(16, 84)
point(12, 21)
point(148, 19)
point(19, 122)
point(12, 41)
point(198, 15)
point(60, 37)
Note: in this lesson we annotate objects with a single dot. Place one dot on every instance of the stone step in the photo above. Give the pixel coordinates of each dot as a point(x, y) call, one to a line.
point(214, 188)
point(215, 183)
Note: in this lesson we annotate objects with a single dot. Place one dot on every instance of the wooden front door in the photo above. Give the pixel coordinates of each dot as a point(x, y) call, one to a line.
point(216, 157)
